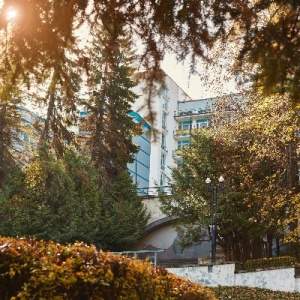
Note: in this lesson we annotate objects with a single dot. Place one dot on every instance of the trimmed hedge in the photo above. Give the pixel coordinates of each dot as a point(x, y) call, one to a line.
point(31, 269)
point(245, 293)
point(266, 263)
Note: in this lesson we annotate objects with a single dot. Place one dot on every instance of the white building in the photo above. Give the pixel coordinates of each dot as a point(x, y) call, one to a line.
point(140, 167)
point(177, 117)
point(163, 143)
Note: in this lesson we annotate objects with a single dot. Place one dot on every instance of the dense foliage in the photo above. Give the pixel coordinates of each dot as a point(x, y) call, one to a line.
point(61, 195)
point(263, 36)
point(61, 200)
point(257, 156)
point(245, 293)
point(272, 262)
point(107, 129)
point(44, 270)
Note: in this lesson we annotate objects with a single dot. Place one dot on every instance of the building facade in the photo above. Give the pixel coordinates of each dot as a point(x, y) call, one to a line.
point(177, 117)
point(140, 167)
point(163, 144)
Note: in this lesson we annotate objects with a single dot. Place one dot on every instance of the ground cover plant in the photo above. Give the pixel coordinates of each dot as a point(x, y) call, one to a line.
point(246, 293)
point(32, 269)
point(272, 262)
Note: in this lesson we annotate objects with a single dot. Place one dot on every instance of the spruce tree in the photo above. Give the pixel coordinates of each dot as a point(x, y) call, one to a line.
point(108, 128)
point(14, 125)
point(107, 138)
point(123, 216)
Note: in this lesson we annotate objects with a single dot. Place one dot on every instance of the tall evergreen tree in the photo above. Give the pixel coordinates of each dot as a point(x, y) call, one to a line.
point(13, 123)
point(123, 217)
point(108, 124)
point(61, 200)
point(107, 136)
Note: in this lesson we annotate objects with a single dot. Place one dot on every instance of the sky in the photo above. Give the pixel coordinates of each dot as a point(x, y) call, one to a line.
point(207, 83)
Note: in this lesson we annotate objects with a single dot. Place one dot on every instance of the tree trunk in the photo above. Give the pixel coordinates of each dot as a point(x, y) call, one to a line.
point(46, 131)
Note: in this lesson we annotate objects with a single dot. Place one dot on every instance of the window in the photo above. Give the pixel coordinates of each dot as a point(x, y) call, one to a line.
point(163, 141)
point(162, 179)
point(182, 144)
point(164, 120)
point(184, 125)
point(163, 161)
point(202, 123)
point(165, 104)
point(165, 91)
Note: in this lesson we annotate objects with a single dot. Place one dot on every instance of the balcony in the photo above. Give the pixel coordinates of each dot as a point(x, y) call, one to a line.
point(184, 133)
point(154, 191)
point(176, 154)
point(181, 114)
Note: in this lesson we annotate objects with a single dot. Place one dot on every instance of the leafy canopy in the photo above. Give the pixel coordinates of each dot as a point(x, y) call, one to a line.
point(61, 200)
point(258, 157)
point(263, 33)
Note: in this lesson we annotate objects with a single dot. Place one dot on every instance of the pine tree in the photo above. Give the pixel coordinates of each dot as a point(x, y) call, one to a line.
point(123, 217)
point(108, 125)
point(13, 124)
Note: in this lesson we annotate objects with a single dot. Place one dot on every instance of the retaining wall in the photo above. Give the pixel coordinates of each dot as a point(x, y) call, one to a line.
point(281, 279)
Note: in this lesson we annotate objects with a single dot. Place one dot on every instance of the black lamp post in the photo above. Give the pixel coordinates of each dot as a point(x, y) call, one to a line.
point(214, 189)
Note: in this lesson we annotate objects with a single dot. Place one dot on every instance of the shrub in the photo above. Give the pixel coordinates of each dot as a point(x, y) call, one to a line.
point(273, 262)
point(32, 269)
point(246, 293)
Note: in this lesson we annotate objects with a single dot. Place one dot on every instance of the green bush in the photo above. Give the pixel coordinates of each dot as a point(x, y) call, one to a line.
point(273, 262)
point(32, 269)
point(245, 293)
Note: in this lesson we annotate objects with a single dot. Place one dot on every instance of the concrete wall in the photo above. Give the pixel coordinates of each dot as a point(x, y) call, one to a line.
point(283, 279)
point(153, 207)
point(161, 235)
point(161, 238)
point(277, 280)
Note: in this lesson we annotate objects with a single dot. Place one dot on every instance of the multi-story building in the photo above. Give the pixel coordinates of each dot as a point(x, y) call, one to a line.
point(163, 144)
point(140, 167)
point(190, 116)
point(177, 118)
